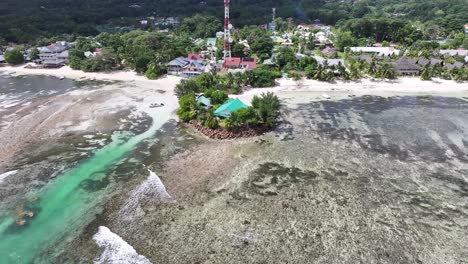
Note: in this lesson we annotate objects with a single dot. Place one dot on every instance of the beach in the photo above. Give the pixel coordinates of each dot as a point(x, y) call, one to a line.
point(97, 108)
point(67, 72)
point(354, 172)
point(400, 86)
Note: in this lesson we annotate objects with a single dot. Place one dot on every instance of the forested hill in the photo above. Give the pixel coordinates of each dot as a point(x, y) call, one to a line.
point(26, 20)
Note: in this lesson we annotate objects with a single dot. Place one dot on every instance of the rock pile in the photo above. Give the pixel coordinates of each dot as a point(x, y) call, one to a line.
point(221, 133)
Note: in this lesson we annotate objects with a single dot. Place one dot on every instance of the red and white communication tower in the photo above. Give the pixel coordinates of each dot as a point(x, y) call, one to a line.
point(227, 32)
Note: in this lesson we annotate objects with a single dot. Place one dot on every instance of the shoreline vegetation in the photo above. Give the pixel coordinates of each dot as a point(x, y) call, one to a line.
point(407, 84)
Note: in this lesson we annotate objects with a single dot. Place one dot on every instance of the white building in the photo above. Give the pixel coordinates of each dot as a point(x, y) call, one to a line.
point(55, 54)
point(220, 34)
point(455, 52)
point(379, 51)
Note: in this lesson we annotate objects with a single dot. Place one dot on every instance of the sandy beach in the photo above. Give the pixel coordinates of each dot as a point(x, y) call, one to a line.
point(100, 108)
point(67, 72)
point(404, 85)
point(336, 89)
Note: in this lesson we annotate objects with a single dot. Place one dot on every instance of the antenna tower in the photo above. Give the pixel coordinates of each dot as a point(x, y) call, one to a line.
point(227, 32)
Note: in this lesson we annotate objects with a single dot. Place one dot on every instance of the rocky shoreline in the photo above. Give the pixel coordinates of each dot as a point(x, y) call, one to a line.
point(221, 133)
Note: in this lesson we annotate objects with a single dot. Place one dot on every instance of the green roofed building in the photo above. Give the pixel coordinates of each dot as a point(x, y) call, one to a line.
point(206, 102)
point(232, 105)
point(211, 42)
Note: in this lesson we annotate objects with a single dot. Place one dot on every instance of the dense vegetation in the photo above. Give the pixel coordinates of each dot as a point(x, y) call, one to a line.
point(230, 83)
point(14, 56)
point(146, 52)
point(264, 111)
point(29, 20)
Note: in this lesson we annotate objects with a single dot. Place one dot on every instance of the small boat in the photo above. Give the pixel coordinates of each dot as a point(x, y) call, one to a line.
point(154, 105)
point(61, 77)
point(326, 96)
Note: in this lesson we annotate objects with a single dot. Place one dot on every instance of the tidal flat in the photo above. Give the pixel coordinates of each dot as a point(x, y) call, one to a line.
point(98, 176)
point(367, 179)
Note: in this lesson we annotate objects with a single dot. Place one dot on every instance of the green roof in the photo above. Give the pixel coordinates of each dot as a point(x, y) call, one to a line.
point(232, 105)
point(204, 101)
point(211, 41)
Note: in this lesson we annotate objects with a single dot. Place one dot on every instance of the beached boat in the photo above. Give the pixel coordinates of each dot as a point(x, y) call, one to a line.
point(154, 105)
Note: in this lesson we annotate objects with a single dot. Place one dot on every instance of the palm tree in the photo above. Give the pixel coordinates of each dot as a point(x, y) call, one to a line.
point(319, 73)
point(343, 72)
point(239, 79)
point(354, 70)
point(386, 71)
point(229, 79)
point(329, 75)
point(372, 70)
point(426, 73)
point(436, 70)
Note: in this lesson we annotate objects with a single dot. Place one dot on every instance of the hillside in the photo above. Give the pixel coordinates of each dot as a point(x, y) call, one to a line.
point(27, 20)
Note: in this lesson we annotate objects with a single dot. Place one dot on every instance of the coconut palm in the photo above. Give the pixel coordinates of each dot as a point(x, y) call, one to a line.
point(426, 73)
point(343, 72)
point(372, 70)
point(320, 73)
point(354, 70)
point(386, 71)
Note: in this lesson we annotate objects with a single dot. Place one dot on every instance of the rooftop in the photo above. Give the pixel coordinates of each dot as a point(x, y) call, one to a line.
point(381, 51)
point(232, 105)
point(405, 64)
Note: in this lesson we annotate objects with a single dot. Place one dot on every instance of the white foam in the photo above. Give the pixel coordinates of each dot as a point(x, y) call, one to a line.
point(116, 250)
point(150, 190)
point(6, 174)
point(9, 105)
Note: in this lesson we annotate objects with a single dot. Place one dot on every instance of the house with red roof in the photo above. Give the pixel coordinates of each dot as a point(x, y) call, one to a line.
point(232, 63)
point(241, 63)
point(195, 56)
point(249, 63)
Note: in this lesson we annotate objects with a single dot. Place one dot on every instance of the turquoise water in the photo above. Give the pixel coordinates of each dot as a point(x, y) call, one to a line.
point(64, 207)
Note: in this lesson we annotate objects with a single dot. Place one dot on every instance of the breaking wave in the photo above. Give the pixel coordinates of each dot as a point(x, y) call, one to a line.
point(149, 191)
point(6, 174)
point(116, 250)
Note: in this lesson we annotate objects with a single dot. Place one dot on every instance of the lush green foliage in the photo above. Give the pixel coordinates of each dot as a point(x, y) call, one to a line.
point(230, 83)
point(246, 116)
point(200, 26)
point(285, 56)
point(263, 112)
point(28, 20)
point(262, 77)
point(267, 107)
point(14, 56)
point(187, 107)
point(217, 97)
point(146, 52)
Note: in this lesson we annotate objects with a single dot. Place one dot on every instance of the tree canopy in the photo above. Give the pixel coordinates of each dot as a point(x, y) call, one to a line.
point(28, 20)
